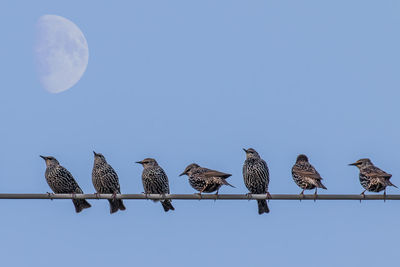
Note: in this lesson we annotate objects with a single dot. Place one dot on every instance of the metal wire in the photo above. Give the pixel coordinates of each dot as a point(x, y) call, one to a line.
point(203, 196)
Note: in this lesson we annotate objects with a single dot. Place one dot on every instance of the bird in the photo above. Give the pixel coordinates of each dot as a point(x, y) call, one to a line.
point(306, 176)
point(155, 181)
point(105, 181)
point(256, 177)
point(371, 177)
point(61, 181)
point(205, 180)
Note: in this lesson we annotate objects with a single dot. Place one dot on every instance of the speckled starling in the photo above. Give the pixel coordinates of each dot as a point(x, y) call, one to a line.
point(305, 175)
point(105, 181)
point(61, 181)
point(372, 178)
point(256, 177)
point(155, 181)
point(205, 180)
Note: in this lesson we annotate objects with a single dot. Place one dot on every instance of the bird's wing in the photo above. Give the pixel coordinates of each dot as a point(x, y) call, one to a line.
point(376, 172)
point(110, 180)
point(310, 171)
point(213, 173)
point(70, 181)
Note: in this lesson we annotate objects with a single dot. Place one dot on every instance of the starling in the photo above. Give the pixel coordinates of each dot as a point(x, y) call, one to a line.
point(372, 178)
point(61, 181)
point(205, 180)
point(155, 181)
point(105, 181)
point(305, 175)
point(256, 177)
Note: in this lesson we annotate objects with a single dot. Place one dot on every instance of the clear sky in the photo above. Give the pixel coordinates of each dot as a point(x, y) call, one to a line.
point(195, 81)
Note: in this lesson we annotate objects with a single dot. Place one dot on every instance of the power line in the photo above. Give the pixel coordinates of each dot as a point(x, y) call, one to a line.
point(203, 196)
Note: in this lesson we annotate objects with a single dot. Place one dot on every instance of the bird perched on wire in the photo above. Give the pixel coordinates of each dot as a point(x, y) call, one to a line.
point(105, 181)
point(306, 176)
point(256, 177)
point(61, 181)
point(155, 181)
point(205, 180)
point(371, 177)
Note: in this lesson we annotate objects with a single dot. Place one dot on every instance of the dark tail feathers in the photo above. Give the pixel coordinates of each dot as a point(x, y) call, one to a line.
point(167, 205)
point(262, 206)
point(81, 204)
point(226, 183)
point(390, 183)
point(320, 185)
point(115, 205)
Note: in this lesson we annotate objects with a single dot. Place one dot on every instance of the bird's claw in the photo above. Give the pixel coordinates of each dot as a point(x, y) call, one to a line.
point(50, 195)
point(216, 196)
point(269, 196)
point(248, 196)
point(199, 195)
point(301, 195)
point(114, 196)
point(363, 195)
point(97, 195)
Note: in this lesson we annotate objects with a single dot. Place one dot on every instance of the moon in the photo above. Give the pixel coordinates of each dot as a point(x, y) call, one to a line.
point(61, 53)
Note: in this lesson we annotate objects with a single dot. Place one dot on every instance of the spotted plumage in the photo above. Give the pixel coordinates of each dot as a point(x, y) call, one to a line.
point(155, 181)
point(371, 177)
point(305, 175)
point(61, 181)
point(105, 181)
point(205, 180)
point(256, 177)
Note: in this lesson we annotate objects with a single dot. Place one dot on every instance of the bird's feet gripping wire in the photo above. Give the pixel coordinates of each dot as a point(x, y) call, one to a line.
point(363, 194)
point(249, 195)
point(114, 196)
point(97, 195)
point(199, 195)
point(384, 195)
point(146, 195)
point(302, 195)
point(50, 195)
point(216, 196)
point(268, 196)
point(315, 194)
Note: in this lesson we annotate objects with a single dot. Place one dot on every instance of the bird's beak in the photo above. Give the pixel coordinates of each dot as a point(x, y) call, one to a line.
point(43, 157)
point(139, 162)
point(94, 153)
point(183, 173)
point(353, 164)
point(245, 150)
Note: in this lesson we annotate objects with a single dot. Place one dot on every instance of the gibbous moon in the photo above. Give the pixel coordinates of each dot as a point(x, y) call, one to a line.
point(61, 53)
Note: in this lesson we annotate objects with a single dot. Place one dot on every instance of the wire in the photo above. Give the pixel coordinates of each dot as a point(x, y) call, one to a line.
point(203, 196)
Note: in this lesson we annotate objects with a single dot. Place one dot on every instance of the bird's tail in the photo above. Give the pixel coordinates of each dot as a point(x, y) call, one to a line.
point(167, 205)
point(262, 206)
point(390, 183)
point(81, 204)
point(115, 205)
point(226, 183)
point(320, 185)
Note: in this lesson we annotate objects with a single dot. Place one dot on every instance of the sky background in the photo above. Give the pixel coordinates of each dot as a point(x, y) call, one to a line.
point(195, 81)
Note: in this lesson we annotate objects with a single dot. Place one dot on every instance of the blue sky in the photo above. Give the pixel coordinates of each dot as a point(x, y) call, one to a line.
point(183, 82)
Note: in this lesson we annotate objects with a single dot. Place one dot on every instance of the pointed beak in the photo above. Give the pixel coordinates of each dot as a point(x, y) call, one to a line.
point(43, 157)
point(353, 164)
point(94, 153)
point(139, 162)
point(183, 173)
point(245, 150)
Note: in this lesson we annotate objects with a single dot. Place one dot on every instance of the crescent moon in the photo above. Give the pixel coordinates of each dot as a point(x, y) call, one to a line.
point(61, 53)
